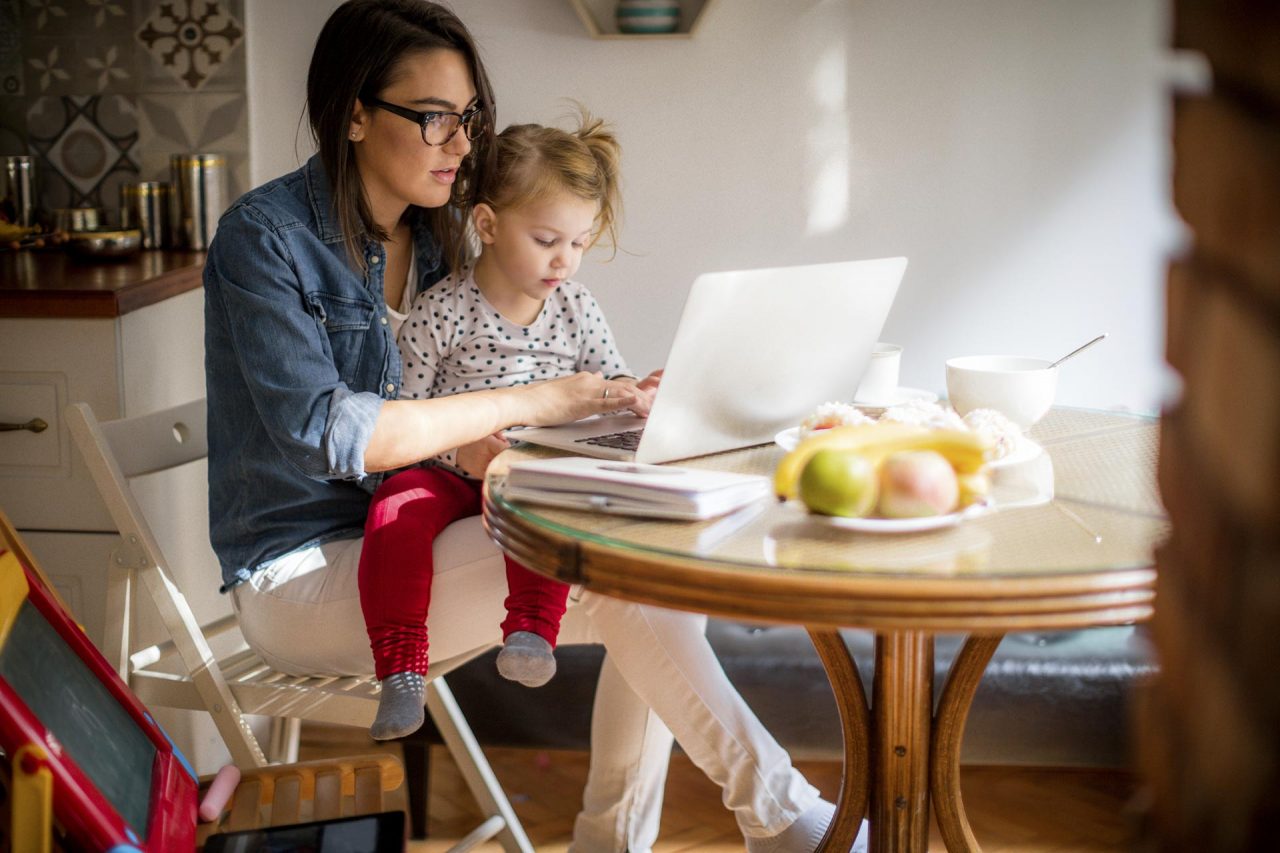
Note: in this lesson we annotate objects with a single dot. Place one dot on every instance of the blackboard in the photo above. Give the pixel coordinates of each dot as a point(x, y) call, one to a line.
point(95, 731)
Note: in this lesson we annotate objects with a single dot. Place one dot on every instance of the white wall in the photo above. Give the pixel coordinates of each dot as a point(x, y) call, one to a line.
point(1014, 150)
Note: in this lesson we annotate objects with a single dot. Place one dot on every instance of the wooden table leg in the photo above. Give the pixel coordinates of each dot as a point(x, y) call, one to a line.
point(851, 701)
point(948, 730)
point(902, 716)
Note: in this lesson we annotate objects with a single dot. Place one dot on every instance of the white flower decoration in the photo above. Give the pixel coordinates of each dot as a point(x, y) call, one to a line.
point(103, 7)
point(47, 8)
point(106, 68)
point(48, 68)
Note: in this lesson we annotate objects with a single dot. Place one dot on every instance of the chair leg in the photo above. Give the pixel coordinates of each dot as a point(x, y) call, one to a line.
point(285, 734)
point(417, 773)
point(474, 766)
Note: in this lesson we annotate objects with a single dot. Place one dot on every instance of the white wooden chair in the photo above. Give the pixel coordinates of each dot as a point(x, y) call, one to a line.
point(236, 681)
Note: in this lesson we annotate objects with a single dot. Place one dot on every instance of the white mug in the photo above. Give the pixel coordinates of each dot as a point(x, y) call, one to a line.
point(880, 380)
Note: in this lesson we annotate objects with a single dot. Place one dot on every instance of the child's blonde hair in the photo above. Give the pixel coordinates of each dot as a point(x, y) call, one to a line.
point(532, 162)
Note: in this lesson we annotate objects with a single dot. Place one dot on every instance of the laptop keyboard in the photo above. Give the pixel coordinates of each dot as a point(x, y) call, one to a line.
point(626, 440)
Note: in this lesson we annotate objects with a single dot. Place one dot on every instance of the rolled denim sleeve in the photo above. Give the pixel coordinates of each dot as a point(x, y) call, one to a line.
point(284, 362)
point(352, 416)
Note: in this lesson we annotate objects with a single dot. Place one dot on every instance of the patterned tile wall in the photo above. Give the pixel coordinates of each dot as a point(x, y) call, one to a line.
point(101, 92)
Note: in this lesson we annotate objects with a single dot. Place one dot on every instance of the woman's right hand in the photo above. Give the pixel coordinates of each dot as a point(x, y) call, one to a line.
point(570, 398)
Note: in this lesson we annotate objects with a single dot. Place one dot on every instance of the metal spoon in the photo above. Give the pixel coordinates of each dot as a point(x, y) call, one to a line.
point(1078, 350)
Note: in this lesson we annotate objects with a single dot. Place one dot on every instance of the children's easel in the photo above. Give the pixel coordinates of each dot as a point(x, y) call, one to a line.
point(86, 761)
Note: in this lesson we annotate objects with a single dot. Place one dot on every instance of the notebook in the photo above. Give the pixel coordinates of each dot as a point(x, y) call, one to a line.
point(629, 488)
point(755, 351)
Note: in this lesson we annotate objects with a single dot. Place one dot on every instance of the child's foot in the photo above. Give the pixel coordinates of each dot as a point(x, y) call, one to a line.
point(526, 658)
point(400, 706)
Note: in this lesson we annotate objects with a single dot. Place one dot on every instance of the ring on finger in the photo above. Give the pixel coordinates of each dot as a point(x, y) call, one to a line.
point(606, 392)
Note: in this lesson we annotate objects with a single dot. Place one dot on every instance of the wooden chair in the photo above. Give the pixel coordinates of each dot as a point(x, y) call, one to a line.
point(284, 794)
point(235, 681)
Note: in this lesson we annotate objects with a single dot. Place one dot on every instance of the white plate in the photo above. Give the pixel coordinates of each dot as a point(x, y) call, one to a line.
point(897, 398)
point(788, 439)
point(901, 525)
point(1024, 452)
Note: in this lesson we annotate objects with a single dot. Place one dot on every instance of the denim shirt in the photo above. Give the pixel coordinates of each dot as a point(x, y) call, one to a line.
point(298, 359)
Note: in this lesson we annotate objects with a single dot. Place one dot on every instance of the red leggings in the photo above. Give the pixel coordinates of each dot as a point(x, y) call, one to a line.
point(408, 512)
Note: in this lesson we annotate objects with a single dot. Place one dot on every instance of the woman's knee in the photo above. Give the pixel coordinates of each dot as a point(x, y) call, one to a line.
point(605, 610)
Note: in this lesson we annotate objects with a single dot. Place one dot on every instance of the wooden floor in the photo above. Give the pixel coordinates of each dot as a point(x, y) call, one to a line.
point(1012, 810)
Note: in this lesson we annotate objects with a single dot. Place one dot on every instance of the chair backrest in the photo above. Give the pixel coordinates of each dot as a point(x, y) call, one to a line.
point(129, 447)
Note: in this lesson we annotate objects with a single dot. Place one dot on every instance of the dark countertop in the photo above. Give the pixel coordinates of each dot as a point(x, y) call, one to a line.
point(52, 283)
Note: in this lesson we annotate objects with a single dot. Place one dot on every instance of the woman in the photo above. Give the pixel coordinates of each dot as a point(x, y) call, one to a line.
point(304, 284)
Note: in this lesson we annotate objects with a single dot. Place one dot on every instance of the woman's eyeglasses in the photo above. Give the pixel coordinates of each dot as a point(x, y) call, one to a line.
point(437, 127)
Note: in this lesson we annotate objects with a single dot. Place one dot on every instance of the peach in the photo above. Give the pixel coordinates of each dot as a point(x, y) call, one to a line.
point(917, 483)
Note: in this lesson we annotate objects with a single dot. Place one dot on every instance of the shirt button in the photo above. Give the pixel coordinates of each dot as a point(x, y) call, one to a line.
point(374, 259)
point(390, 387)
point(384, 320)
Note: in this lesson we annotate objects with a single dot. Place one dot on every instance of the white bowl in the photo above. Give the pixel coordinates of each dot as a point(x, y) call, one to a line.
point(1021, 389)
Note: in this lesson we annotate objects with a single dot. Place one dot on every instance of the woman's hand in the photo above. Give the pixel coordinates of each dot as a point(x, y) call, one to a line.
point(559, 401)
point(645, 390)
point(474, 458)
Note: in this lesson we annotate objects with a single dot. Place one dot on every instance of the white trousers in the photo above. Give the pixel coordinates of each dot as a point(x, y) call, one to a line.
point(660, 677)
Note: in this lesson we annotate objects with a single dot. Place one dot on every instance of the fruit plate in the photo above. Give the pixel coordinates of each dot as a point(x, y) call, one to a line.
point(788, 438)
point(1024, 452)
point(901, 525)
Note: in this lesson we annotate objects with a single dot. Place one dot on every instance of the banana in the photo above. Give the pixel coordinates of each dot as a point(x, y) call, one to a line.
point(964, 450)
point(973, 487)
point(10, 231)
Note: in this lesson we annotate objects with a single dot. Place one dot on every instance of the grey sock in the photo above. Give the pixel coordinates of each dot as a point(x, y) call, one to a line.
point(804, 835)
point(399, 706)
point(526, 658)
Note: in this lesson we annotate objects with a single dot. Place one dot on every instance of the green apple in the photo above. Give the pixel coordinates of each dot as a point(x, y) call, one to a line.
point(839, 482)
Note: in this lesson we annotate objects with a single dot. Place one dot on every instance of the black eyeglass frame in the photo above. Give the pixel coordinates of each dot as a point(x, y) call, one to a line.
point(466, 119)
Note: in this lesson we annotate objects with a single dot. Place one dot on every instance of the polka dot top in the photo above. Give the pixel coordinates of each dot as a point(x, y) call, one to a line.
point(454, 341)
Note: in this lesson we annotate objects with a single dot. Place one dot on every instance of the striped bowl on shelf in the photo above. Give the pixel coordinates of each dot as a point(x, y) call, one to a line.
point(648, 16)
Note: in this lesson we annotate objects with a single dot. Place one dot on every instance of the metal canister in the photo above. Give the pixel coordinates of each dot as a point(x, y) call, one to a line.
point(145, 206)
point(70, 219)
point(19, 197)
point(200, 181)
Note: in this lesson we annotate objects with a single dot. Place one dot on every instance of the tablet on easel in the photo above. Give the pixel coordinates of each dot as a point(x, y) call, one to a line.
point(372, 833)
point(78, 742)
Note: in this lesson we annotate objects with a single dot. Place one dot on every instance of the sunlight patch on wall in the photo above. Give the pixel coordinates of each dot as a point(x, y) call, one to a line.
point(828, 143)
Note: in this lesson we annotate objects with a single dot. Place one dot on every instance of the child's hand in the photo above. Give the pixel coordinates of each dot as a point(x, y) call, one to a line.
point(475, 457)
point(650, 382)
point(645, 390)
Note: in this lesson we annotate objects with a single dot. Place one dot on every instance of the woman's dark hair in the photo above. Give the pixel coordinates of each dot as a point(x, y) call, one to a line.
point(357, 54)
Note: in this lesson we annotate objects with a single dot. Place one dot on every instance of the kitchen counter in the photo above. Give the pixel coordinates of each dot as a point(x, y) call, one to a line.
point(54, 284)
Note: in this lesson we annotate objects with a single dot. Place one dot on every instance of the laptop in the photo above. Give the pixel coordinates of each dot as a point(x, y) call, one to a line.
point(754, 353)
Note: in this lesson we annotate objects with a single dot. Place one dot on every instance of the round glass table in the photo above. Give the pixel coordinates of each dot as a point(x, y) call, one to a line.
point(1068, 544)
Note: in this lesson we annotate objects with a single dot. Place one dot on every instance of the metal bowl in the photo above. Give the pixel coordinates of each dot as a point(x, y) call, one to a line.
point(105, 244)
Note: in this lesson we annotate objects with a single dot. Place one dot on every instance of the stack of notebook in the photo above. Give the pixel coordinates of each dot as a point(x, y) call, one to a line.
point(627, 488)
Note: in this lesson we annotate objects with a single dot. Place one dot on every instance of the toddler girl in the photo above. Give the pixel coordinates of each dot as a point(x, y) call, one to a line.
point(511, 318)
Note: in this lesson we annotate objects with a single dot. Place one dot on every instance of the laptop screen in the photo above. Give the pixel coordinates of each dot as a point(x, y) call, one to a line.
point(94, 730)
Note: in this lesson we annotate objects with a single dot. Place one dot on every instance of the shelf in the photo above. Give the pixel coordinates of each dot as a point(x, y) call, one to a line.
point(598, 18)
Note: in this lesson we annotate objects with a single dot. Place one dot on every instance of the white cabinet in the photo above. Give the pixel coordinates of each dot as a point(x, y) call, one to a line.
point(143, 352)
point(130, 364)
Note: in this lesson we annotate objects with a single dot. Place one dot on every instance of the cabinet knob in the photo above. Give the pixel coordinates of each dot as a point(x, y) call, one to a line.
point(33, 425)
